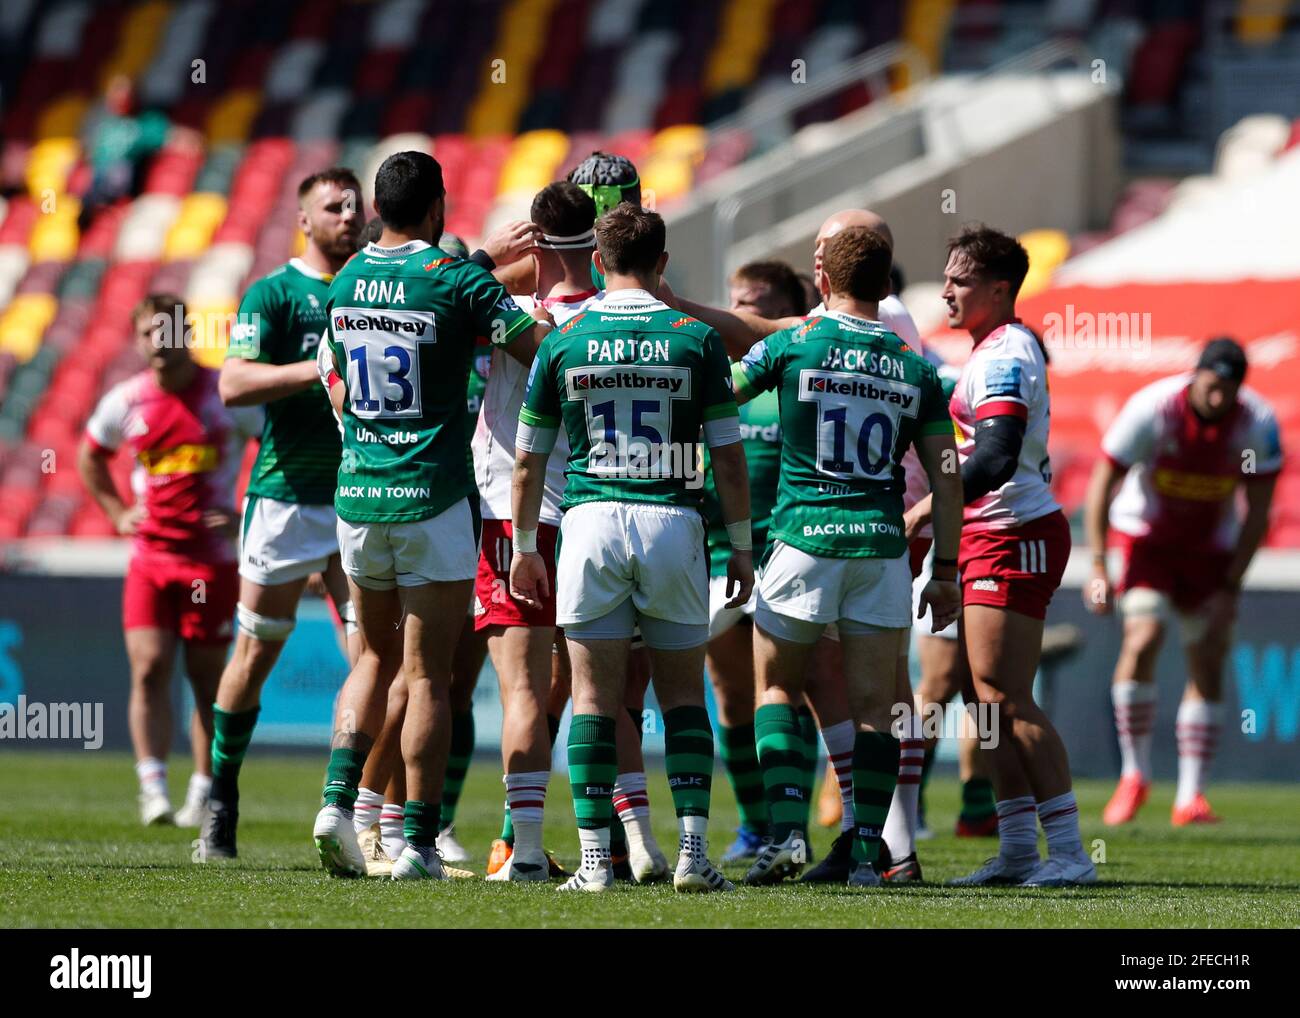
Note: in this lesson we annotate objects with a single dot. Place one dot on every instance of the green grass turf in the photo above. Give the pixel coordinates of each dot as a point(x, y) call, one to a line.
point(73, 854)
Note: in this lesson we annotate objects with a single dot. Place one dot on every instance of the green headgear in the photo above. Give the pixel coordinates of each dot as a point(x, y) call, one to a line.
point(608, 179)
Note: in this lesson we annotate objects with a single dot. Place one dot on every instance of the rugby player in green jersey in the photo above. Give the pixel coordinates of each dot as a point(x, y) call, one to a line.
point(288, 530)
point(634, 384)
point(852, 401)
point(770, 289)
point(377, 815)
point(403, 320)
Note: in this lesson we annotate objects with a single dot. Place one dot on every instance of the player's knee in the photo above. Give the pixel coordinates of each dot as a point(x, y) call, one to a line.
point(1143, 636)
point(348, 613)
point(1144, 612)
point(152, 675)
point(263, 628)
point(1208, 684)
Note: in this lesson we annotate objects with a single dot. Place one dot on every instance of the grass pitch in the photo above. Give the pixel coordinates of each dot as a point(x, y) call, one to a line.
point(72, 854)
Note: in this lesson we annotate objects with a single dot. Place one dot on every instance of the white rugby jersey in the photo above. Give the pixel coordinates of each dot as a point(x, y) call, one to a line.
point(493, 443)
point(1183, 472)
point(1007, 375)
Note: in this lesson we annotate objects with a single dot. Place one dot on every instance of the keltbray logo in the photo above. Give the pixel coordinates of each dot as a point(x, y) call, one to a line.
point(361, 322)
point(587, 381)
point(858, 388)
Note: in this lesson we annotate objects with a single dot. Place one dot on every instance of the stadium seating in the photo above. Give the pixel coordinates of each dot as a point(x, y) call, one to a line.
point(508, 94)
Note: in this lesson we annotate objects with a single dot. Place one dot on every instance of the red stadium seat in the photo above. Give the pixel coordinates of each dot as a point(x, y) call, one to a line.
point(18, 221)
point(1158, 63)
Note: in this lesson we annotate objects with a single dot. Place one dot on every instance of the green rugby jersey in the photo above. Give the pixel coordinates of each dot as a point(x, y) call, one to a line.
point(478, 375)
point(760, 431)
point(632, 382)
point(853, 397)
point(281, 320)
point(403, 325)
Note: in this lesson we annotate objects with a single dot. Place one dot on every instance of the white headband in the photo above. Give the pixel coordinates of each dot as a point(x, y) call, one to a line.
point(577, 240)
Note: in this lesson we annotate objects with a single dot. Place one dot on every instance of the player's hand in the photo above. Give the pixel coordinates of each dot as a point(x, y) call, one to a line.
point(528, 579)
point(943, 598)
point(1220, 611)
point(740, 577)
point(1098, 594)
point(912, 523)
point(511, 241)
point(221, 521)
point(130, 518)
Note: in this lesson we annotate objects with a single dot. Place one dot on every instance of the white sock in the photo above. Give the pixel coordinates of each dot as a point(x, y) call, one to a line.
point(199, 787)
point(1135, 715)
point(391, 835)
point(366, 811)
point(904, 808)
point(526, 800)
point(693, 835)
point(1017, 829)
point(839, 748)
point(595, 847)
point(1197, 729)
point(630, 797)
point(1060, 819)
point(632, 805)
point(152, 773)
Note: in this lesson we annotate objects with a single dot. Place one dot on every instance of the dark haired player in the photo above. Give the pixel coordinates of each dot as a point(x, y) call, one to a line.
point(852, 401)
point(1014, 547)
point(403, 323)
point(633, 384)
point(1177, 454)
point(288, 530)
point(182, 581)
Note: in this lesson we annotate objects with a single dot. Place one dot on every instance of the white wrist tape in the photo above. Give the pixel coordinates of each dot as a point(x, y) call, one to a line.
point(525, 540)
point(741, 535)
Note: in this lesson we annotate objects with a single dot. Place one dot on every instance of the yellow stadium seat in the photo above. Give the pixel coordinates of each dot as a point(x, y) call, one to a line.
point(25, 322)
point(925, 26)
point(491, 114)
point(746, 32)
point(683, 140)
point(55, 236)
point(1047, 249)
point(211, 322)
point(232, 118)
point(667, 176)
point(532, 160)
point(191, 231)
point(138, 41)
point(48, 165)
point(63, 117)
point(1260, 22)
point(521, 34)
